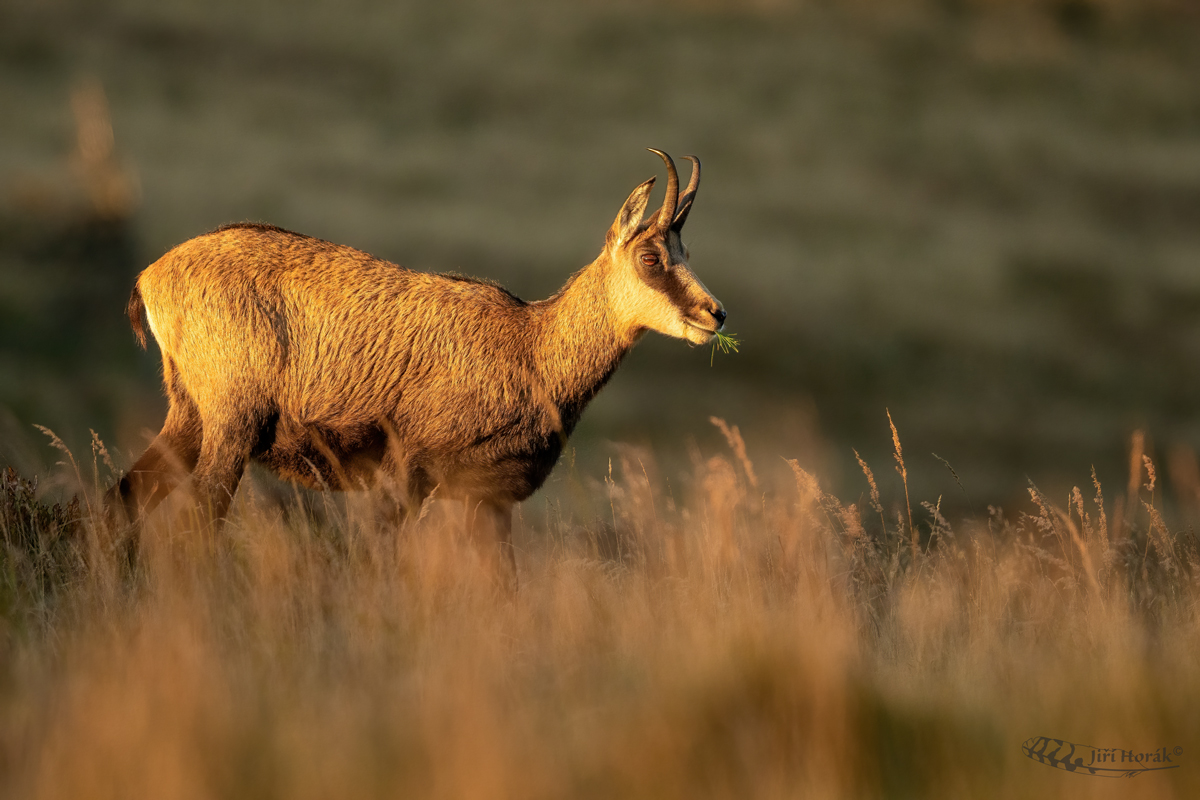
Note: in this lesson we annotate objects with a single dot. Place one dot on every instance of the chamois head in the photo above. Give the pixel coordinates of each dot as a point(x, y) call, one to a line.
point(651, 285)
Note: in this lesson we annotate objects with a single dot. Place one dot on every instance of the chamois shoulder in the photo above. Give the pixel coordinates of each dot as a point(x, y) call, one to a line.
point(481, 286)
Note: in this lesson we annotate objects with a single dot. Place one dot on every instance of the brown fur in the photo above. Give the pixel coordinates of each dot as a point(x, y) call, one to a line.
point(330, 366)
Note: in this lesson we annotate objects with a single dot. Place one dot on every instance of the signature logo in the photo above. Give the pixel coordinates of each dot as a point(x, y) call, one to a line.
point(1103, 762)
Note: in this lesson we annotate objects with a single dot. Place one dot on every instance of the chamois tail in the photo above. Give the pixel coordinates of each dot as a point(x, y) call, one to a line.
point(135, 310)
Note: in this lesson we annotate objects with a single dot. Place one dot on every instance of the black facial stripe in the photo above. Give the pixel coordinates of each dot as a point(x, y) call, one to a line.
point(649, 273)
point(664, 280)
point(661, 277)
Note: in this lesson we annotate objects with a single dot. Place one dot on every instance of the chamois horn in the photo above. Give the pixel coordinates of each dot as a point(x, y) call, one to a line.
point(666, 214)
point(688, 196)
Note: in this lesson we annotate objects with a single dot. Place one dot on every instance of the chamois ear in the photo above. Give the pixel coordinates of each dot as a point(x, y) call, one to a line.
point(630, 216)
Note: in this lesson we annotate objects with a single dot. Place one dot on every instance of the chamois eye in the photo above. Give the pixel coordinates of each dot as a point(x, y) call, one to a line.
point(650, 260)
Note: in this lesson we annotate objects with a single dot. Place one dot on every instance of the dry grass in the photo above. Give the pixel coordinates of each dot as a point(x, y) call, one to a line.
point(703, 638)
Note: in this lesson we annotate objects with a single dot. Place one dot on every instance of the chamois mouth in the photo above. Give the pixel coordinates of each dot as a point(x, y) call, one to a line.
point(709, 332)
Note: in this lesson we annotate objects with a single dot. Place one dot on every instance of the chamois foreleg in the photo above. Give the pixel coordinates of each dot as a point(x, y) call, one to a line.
point(223, 456)
point(489, 523)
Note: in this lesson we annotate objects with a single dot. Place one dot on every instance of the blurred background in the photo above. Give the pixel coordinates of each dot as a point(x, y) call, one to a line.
point(981, 216)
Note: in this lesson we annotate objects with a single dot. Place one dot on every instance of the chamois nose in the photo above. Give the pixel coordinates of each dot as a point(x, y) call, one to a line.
point(719, 315)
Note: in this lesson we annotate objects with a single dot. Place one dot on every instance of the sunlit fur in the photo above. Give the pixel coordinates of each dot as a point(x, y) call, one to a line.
point(332, 367)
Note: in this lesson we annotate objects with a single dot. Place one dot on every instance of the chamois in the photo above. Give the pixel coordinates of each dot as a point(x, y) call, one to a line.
point(330, 366)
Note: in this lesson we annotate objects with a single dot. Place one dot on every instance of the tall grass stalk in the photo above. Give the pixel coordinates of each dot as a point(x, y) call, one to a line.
point(903, 472)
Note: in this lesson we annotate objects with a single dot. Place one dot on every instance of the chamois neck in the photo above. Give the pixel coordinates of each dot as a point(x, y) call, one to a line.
point(580, 342)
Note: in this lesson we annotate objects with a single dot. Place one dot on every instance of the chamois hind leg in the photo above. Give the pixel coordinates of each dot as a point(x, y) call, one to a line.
point(490, 525)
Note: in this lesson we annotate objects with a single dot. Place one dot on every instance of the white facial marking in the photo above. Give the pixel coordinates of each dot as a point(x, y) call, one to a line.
point(640, 306)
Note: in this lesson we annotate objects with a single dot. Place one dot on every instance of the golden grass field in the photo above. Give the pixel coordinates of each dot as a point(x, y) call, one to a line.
point(732, 632)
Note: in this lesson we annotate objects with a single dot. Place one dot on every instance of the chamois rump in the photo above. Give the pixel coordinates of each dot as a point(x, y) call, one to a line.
point(331, 367)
